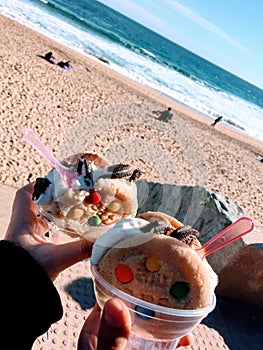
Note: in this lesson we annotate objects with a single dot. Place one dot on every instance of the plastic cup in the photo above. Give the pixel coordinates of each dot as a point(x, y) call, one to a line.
point(60, 230)
point(153, 327)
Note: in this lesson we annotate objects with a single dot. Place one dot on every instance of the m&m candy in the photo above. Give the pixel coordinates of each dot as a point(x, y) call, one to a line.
point(152, 264)
point(124, 273)
point(179, 290)
point(93, 197)
point(143, 312)
point(94, 220)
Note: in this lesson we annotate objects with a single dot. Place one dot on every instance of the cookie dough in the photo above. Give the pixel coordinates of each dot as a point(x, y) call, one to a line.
point(146, 263)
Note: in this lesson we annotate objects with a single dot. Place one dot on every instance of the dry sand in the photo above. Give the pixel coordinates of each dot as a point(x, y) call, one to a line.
point(55, 102)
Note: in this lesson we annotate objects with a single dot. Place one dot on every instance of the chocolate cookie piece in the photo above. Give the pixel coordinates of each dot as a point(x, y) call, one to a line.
point(40, 187)
point(185, 234)
point(119, 171)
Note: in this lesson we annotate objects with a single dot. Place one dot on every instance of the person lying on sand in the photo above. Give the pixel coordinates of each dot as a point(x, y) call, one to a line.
point(49, 57)
point(65, 64)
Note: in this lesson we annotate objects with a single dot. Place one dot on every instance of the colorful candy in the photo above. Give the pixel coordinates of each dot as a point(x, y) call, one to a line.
point(179, 290)
point(75, 213)
point(152, 264)
point(144, 313)
point(124, 273)
point(93, 197)
point(94, 220)
point(114, 206)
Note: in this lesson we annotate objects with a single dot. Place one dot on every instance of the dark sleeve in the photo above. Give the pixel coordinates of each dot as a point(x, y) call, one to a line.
point(29, 302)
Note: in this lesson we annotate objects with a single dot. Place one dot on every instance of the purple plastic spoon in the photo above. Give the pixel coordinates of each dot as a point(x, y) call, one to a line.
point(232, 232)
point(66, 173)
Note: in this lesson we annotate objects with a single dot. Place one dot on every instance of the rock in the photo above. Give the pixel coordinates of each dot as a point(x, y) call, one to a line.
point(207, 211)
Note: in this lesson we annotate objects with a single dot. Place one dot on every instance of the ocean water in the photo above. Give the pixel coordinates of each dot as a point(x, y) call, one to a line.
point(131, 49)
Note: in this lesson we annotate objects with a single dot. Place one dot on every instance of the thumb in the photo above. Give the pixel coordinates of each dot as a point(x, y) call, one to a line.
point(74, 252)
point(115, 325)
point(89, 333)
point(56, 258)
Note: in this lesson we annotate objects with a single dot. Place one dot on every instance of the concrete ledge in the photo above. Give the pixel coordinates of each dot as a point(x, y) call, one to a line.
point(7, 195)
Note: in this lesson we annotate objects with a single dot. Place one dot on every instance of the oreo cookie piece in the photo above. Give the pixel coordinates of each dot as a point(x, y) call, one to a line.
point(40, 187)
point(185, 234)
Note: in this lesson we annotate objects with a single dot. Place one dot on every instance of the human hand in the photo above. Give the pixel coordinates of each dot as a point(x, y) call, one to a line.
point(107, 330)
point(26, 229)
point(110, 329)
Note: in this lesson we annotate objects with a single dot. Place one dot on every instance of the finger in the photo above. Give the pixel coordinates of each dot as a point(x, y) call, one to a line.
point(56, 258)
point(186, 340)
point(23, 199)
point(89, 333)
point(115, 325)
point(24, 211)
point(75, 251)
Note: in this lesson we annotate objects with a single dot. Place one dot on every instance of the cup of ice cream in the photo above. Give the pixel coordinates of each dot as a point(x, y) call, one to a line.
point(150, 263)
point(98, 196)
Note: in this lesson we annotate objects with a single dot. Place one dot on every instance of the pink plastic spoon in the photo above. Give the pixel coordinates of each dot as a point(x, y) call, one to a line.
point(232, 232)
point(66, 173)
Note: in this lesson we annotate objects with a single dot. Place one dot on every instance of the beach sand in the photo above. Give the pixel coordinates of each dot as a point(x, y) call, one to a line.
point(93, 107)
point(117, 114)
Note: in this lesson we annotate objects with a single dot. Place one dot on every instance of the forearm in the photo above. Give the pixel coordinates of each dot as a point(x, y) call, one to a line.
point(29, 302)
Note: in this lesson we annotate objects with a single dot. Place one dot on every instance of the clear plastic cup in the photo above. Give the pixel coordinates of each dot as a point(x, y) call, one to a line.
point(60, 232)
point(153, 327)
point(60, 228)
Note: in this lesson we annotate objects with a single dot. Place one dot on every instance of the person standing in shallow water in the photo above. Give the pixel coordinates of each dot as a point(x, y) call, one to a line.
point(217, 120)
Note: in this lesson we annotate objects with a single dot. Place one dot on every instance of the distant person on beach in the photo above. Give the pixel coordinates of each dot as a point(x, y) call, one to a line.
point(30, 302)
point(166, 115)
point(65, 64)
point(217, 120)
point(49, 57)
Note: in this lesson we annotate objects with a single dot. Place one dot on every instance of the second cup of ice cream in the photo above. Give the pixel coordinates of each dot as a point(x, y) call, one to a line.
point(99, 196)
